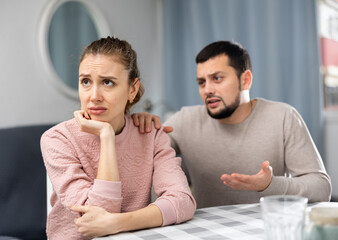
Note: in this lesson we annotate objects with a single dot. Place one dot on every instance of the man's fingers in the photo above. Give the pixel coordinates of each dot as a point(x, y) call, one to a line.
point(135, 119)
point(236, 184)
point(265, 164)
point(145, 122)
point(237, 181)
point(266, 167)
point(242, 177)
point(148, 121)
point(224, 177)
point(229, 179)
point(257, 182)
point(168, 129)
point(157, 122)
point(141, 123)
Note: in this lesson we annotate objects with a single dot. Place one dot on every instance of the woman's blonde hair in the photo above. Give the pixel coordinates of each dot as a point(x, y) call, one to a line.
point(123, 52)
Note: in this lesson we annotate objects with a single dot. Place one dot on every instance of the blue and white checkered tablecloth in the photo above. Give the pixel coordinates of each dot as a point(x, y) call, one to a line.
point(239, 222)
point(224, 222)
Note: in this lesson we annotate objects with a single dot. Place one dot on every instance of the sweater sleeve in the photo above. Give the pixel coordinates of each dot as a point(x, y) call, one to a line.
point(170, 183)
point(306, 172)
point(175, 121)
point(70, 182)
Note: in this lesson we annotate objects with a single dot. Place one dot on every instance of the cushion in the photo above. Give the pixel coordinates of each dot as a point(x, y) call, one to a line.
point(23, 207)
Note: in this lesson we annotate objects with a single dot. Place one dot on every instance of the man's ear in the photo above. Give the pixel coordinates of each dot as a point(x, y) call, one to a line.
point(246, 80)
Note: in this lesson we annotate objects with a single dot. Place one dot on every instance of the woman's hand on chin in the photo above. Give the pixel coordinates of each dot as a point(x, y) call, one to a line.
point(86, 124)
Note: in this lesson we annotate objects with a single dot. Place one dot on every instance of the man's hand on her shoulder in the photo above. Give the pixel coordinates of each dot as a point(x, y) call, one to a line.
point(144, 122)
point(168, 129)
point(258, 182)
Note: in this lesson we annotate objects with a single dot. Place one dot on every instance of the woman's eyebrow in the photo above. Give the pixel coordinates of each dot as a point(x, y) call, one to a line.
point(100, 76)
point(107, 77)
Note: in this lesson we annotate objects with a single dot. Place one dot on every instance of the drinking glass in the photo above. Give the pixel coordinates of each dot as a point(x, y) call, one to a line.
point(283, 217)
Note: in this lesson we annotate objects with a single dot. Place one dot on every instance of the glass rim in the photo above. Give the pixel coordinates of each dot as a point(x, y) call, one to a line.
point(286, 198)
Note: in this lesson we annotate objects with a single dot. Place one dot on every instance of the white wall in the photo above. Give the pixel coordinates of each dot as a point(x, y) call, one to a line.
point(27, 96)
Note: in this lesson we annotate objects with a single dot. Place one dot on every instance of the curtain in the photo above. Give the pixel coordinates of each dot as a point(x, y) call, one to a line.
point(280, 36)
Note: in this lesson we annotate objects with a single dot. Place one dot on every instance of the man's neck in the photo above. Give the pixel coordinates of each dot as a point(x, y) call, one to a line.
point(240, 114)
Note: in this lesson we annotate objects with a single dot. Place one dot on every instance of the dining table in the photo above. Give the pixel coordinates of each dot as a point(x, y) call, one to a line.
point(240, 221)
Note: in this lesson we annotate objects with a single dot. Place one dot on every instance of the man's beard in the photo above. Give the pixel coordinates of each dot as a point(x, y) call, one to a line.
point(227, 111)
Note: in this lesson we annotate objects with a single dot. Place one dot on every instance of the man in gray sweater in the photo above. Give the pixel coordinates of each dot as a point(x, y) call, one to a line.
point(238, 149)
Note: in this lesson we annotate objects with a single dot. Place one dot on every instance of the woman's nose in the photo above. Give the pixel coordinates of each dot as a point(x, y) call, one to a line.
point(96, 95)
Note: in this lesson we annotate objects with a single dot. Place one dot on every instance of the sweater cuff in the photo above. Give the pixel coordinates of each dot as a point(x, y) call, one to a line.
point(107, 188)
point(278, 186)
point(168, 211)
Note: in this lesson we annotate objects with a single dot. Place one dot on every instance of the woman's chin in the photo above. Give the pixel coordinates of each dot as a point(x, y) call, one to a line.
point(96, 118)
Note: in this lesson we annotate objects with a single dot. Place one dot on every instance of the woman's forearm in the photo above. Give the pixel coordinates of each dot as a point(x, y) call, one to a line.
point(108, 167)
point(96, 222)
point(148, 217)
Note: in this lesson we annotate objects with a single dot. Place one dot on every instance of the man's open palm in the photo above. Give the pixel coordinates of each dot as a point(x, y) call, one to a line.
point(257, 182)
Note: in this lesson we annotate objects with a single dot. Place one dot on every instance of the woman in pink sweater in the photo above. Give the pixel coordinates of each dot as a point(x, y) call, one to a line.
point(101, 168)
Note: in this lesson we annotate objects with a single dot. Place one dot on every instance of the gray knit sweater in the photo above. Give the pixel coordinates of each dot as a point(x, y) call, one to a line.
point(273, 132)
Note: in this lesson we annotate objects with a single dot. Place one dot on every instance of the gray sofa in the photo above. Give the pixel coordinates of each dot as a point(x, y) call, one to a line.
point(22, 184)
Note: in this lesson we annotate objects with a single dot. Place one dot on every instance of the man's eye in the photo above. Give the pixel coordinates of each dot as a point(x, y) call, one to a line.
point(218, 78)
point(108, 82)
point(200, 83)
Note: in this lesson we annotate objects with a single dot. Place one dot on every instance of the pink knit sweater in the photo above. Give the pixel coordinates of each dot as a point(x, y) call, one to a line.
point(71, 159)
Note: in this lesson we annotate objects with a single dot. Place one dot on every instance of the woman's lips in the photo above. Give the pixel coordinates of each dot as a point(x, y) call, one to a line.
point(97, 110)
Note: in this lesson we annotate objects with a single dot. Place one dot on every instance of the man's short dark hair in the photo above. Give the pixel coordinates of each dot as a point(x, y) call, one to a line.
point(239, 58)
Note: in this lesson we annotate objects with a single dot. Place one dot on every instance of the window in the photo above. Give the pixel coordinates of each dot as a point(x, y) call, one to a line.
point(66, 27)
point(328, 31)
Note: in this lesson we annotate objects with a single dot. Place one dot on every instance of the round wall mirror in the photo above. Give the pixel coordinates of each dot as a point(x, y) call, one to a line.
point(66, 28)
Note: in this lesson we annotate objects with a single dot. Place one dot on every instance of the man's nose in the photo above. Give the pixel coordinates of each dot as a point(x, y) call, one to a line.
point(209, 88)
